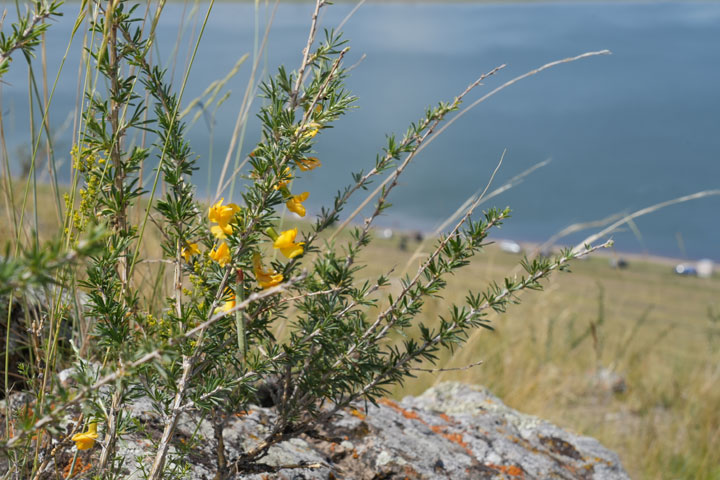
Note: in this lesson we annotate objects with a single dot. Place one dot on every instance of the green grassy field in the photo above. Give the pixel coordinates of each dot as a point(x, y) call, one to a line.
point(658, 333)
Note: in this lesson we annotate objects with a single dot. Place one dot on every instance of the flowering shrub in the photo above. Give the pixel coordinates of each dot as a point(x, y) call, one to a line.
point(204, 340)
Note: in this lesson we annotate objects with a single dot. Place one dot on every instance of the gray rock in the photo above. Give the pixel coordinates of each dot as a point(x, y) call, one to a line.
point(451, 431)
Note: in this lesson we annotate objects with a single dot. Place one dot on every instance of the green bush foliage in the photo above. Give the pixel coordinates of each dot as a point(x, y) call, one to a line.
point(205, 340)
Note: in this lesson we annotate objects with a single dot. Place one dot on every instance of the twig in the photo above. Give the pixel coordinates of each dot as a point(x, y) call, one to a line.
point(399, 170)
point(454, 369)
point(507, 186)
point(177, 408)
point(306, 54)
point(23, 37)
point(512, 82)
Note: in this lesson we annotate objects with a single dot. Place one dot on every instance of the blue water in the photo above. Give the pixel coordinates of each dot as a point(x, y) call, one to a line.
point(623, 131)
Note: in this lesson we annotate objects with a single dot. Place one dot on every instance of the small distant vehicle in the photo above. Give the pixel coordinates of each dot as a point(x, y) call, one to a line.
point(705, 268)
point(618, 263)
point(510, 247)
point(685, 269)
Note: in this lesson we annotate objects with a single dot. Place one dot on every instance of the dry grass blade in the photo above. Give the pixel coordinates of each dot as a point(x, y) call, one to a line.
point(480, 199)
point(244, 107)
point(349, 15)
point(644, 211)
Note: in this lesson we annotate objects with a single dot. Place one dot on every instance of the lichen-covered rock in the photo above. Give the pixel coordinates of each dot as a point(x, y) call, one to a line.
point(451, 431)
point(460, 431)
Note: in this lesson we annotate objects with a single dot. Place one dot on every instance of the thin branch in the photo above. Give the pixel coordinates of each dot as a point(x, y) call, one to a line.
point(349, 15)
point(23, 37)
point(452, 369)
point(512, 82)
point(475, 197)
point(398, 171)
point(306, 54)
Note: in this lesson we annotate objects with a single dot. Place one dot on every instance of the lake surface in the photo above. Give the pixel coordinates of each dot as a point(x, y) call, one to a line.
point(623, 131)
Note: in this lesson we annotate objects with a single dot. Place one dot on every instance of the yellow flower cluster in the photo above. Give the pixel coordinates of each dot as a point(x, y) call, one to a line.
point(309, 130)
point(221, 254)
point(85, 161)
point(227, 306)
point(222, 215)
point(294, 204)
point(308, 163)
point(285, 242)
point(265, 278)
point(189, 250)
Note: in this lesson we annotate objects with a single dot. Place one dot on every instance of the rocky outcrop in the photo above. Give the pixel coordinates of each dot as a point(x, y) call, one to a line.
point(451, 431)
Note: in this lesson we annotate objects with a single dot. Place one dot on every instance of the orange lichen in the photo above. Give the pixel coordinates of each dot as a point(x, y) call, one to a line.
point(511, 470)
point(410, 472)
point(405, 413)
point(243, 413)
point(357, 413)
point(412, 415)
point(390, 403)
point(456, 438)
point(446, 418)
point(80, 467)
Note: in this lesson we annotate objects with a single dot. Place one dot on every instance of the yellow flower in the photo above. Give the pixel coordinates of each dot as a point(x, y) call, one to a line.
point(309, 131)
point(286, 243)
point(308, 163)
point(86, 440)
point(226, 307)
point(318, 108)
point(265, 278)
point(295, 203)
point(189, 250)
point(222, 215)
point(286, 177)
point(221, 254)
point(221, 232)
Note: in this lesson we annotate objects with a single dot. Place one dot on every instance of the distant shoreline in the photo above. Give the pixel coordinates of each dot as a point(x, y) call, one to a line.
point(530, 246)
